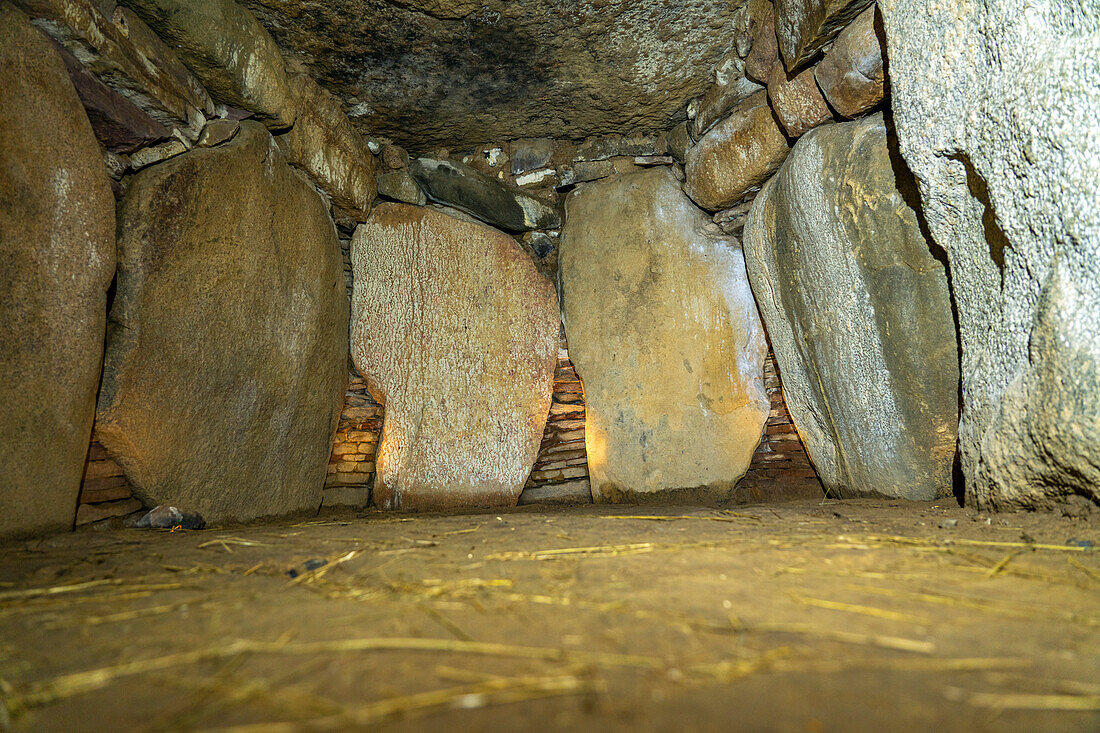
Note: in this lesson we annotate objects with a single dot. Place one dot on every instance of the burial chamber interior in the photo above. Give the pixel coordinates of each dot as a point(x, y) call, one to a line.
point(554, 364)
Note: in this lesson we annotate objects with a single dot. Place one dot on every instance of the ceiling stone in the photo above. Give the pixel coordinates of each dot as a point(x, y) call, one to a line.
point(430, 73)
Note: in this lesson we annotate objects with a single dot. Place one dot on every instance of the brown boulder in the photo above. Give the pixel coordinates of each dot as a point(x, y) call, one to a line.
point(457, 334)
point(57, 256)
point(737, 155)
point(665, 335)
point(124, 53)
point(765, 47)
point(797, 101)
point(852, 74)
point(227, 353)
point(225, 46)
point(859, 315)
point(803, 27)
point(329, 149)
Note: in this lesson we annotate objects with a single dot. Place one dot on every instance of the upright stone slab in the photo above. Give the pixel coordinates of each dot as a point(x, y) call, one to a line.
point(227, 349)
point(665, 336)
point(859, 316)
point(57, 256)
point(996, 106)
point(457, 335)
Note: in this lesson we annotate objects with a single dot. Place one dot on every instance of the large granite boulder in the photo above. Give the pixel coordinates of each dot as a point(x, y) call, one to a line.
point(859, 315)
point(456, 334)
point(329, 149)
point(227, 345)
point(736, 156)
point(57, 257)
point(224, 45)
point(664, 334)
point(996, 107)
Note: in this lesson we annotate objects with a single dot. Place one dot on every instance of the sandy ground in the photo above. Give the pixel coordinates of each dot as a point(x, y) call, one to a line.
point(834, 616)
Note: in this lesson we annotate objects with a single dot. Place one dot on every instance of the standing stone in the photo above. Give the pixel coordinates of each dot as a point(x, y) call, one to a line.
point(228, 49)
point(664, 334)
point(227, 352)
point(57, 256)
point(803, 27)
point(797, 101)
point(859, 316)
point(738, 154)
point(329, 149)
point(852, 76)
point(996, 107)
point(457, 334)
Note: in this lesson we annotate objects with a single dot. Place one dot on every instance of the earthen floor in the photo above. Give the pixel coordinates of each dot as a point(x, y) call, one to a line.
point(814, 616)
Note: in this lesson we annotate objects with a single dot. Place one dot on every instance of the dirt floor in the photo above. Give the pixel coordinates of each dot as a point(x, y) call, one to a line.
point(833, 616)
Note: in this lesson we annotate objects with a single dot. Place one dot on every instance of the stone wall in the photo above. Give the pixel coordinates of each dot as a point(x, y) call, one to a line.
point(104, 491)
point(560, 473)
point(351, 467)
point(780, 469)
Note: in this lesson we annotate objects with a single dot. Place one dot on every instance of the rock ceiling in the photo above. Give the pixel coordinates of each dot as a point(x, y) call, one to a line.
point(456, 73)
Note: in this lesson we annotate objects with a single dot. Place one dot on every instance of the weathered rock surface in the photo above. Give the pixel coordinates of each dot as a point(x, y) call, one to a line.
point(457, 334)
point(803, 27)
point(852, 74)
point(765, 47)
point(664, 333)
point(227, 352)
point(124, 53)
point(859, 315)
point(679, 142)
point(462, 187)
point(119, 124)
point(460, 73)
point(57, 257)
point(399, 185)
point(224, 45)
point(797, 101)
point(730, 88)
point(996, 110)
point(530, 154)
point(739, 153)
point(328, 148)
point(217, 132)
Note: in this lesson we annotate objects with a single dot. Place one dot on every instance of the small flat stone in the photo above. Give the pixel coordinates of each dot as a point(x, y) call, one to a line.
point(156, 153)
point(399, 185)
point(217, 132)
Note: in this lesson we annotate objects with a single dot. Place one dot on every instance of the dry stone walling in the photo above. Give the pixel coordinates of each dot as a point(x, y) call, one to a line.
point(57, 256)
point(225, 365)
point(664, 333)
point(456, 333)
point(996, 107)
point(859, 315)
